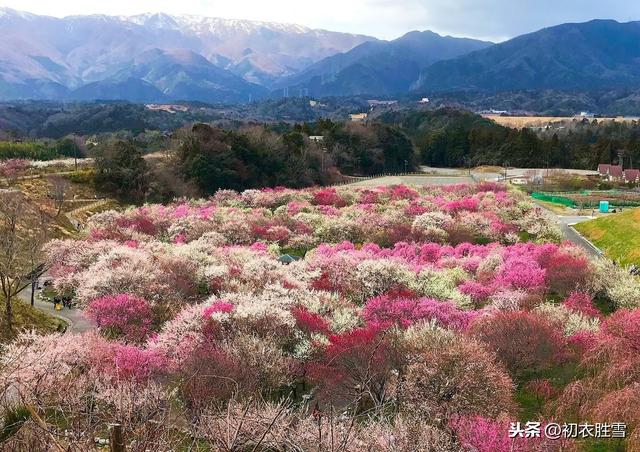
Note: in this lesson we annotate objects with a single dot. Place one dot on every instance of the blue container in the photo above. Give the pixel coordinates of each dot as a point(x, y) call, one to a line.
point(604, 206)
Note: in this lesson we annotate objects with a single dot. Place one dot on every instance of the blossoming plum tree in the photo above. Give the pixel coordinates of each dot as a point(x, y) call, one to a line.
point(401, 323)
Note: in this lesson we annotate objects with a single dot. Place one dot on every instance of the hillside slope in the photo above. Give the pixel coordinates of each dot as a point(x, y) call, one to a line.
point(618, 235)
point(591, 55)
point(380, 67)
point(45, 57)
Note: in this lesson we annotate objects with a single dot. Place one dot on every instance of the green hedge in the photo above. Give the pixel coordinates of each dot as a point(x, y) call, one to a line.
point(39, 150)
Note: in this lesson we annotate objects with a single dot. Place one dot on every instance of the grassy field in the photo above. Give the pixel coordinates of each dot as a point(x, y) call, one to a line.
point(28, 318)
point(618, 235)
point(555, 208)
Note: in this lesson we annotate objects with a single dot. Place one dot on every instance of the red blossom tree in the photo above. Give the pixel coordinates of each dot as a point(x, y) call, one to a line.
point(582, 302)
point(524, 342)
point(387, 310)
point(310, 322)
point(353, 368)
point(121, 316)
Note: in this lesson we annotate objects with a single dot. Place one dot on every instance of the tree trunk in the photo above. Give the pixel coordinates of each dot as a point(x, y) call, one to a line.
point(34, 283)
point(8, 312)
point(116, 440)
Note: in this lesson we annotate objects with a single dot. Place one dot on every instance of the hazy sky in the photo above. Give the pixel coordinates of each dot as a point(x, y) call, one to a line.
point(487, 19)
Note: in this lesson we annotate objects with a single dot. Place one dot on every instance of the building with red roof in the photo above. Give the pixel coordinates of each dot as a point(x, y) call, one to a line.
point(632, 176)
point(615, 172)
point(603, 169)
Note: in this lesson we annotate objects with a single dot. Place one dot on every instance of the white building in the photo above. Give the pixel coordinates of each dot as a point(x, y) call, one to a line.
point(358, 116)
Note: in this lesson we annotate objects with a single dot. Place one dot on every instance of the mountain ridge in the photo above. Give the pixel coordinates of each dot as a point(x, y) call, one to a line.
point(389, 67)
point(600, 53)
point(75, 51)
point(161, 57)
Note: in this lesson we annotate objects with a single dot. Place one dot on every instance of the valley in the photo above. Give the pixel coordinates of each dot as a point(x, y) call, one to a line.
point(249, 235)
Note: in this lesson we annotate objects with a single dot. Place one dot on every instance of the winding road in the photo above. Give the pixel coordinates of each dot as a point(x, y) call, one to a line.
point(74, 318)
point(566, 223)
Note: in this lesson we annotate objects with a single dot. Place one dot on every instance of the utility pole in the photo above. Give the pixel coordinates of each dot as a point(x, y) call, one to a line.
point(74, 139)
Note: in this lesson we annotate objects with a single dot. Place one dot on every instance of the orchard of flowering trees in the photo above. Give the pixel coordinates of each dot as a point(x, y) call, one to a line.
point(415, 319)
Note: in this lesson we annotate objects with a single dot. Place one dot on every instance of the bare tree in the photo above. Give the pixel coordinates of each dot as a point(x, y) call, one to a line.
point(23, 231)
point(59, 186)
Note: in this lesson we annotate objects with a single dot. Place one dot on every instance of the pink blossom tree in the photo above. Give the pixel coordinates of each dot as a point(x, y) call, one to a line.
point(121, 316)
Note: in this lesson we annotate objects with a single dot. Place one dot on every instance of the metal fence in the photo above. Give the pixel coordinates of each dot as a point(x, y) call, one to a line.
point(554, 199)
point(598, 195)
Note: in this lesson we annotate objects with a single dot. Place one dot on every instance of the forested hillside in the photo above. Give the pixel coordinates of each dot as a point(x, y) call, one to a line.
point(452, 137)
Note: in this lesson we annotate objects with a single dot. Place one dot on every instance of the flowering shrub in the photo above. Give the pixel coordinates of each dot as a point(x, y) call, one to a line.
point(479, 434)
point(582, 303)
point(121, 316)
point(567, 320)
point(616, 284)
point(609, 389)
point(543, 347)
point(386, 310)
point(131, 362)
point(401, 322)
point(450, 374)
point(11, 168)
point(310, 216)
point(353, 365)
point(482, 435)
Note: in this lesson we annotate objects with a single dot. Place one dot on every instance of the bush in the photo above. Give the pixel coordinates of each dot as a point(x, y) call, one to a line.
point(524, 342)
point(121, 317)
point(454, 375)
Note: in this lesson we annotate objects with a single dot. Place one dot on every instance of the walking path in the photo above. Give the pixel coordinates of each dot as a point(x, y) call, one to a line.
point(413, 179)
point(74, 318)
point(566, 225)
point(72, 215)
point(566, 222)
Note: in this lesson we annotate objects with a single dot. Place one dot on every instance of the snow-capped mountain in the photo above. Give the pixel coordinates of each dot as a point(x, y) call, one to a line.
point(195, 57)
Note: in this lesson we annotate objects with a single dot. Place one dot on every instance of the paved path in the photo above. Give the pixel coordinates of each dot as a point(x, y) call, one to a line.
point(74, 318)
point(566, 223)
point(413, 180)
point(511, 172)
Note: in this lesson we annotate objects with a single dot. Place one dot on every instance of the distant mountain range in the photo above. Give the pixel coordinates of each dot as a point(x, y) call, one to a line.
point(158, 57)
point(380, 67)
point(188, 57)
point(593, 55)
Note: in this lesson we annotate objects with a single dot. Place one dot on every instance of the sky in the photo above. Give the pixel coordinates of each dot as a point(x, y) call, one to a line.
point(494, 20)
